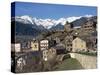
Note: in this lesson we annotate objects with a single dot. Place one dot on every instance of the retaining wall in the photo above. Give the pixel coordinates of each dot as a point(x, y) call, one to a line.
point(88, 62)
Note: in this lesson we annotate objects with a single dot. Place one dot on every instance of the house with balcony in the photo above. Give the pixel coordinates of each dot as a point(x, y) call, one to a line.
point(89, 26)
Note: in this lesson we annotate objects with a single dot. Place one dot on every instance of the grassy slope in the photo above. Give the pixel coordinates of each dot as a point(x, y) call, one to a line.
point(69, 64)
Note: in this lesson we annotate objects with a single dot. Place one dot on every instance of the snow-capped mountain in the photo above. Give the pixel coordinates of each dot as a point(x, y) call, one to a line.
point(24, 19)
point(26, 25)
point(46, 23)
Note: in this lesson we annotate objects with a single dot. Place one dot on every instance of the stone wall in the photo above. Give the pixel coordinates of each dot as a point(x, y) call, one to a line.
point(87, 62)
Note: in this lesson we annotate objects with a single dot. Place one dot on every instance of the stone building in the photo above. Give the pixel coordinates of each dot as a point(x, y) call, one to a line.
point(49, 54)
point(68, 27)
point(57, 40)
point(78, 45)
point(68, 42)
point(26, 45)
point(92, 44)
point(89, 26)
point(60, 49)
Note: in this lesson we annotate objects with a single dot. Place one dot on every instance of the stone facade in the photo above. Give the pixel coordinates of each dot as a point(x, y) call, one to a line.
point(79, 45)
point(87, 62)
point(89, 26)
point(25, 45)
point(68, 42)
point(49, 54)
point(68, 27)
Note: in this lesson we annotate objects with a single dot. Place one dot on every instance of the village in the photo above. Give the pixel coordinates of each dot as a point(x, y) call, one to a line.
point(35, 54)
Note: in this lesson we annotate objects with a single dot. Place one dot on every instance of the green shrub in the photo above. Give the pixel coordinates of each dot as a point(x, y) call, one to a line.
point(88, 53)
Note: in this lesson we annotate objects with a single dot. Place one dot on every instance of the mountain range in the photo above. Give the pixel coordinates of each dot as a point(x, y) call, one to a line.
point(26, 25)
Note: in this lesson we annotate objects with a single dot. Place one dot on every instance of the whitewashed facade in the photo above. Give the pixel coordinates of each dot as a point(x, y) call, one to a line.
point(16, 47)
point(44, 44)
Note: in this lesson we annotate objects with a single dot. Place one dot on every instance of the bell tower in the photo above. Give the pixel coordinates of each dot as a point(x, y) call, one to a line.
point(67, 26)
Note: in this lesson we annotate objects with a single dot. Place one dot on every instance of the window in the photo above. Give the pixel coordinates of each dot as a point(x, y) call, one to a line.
point(35, 46)
point(45, 57)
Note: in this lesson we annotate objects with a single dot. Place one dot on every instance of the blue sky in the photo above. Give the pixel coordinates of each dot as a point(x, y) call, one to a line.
point(52, 11)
